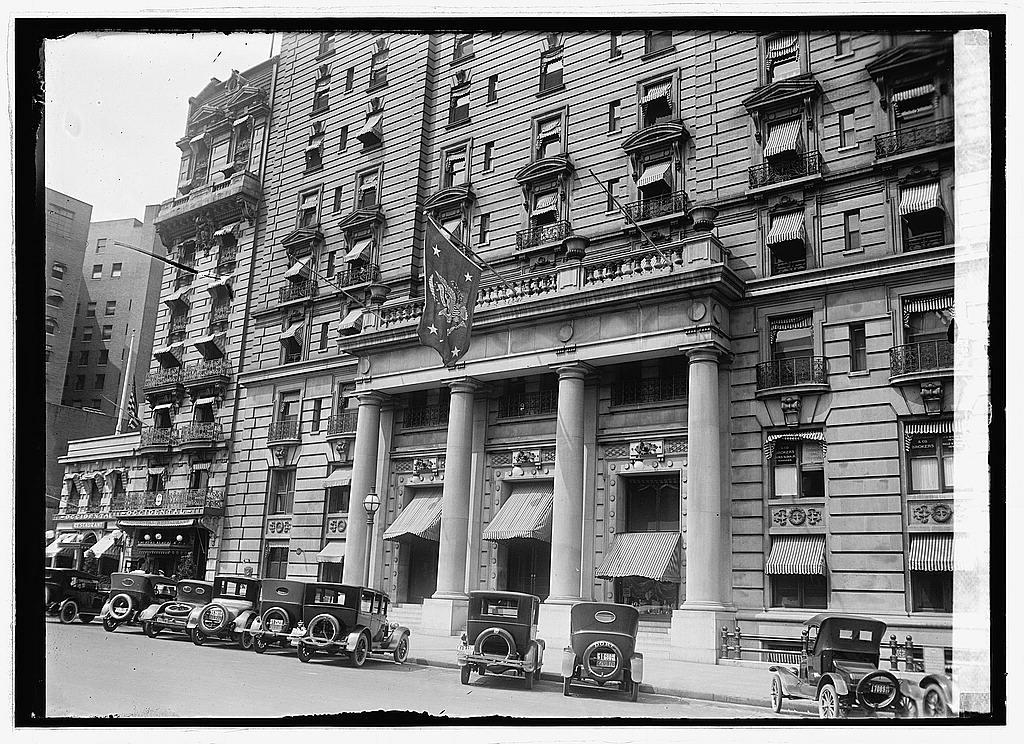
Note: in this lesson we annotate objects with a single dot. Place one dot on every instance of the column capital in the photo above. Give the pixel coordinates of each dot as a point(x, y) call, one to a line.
point(372, 398)
point(573, 370)
point(465, 385)
point(706, 354)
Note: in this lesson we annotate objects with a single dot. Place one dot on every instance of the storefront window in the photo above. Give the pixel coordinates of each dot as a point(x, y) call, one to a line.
point(649, 596)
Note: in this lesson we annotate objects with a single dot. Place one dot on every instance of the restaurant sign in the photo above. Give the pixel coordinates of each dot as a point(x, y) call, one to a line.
point(89, 525)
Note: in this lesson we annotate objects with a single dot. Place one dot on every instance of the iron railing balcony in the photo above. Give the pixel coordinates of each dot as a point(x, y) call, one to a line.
point(655, 390)
point(342, 423)
point(809, 370)
point(358, 275)
point(161, 377)
point(226, 259)
point(220, 312)
point(917, 137)
point(923, 356)
point(152, 436)
point(206, 369)
point(297, 291)
point(204, 431)
point(543, 234)
point(286, 430)
point(177, 501)
point(665, 205)
point(424, 416)
point(925, 240)
point(779, 170)
point(528, 404)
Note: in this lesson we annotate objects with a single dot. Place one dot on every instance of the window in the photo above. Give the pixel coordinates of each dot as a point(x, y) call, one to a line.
point(459, 111)
point(51, 324)
point(613, 115)
point(343, 139)
point(219, 152)
point(656, 102)
point(488, 156)
point(203, 413)
point(57, 270)
point(611, 186)
point(108, 332)
point(453, 222)
point(923, 217)
point(485, 223)
point(367, 192)
point(101, 245)
point(851, 226)
point(844, 43)
point(548, 137)
point(656, 41)
point(782, 57)
point(806, 591)
point(551, 72)
point(324, 335)
point(930, 463)
point(184, 170)
point(83, 358)
point(932, 591)
point(613, 45)
point(115, 271)
point(652, 504)
point(798, 470)
point(331, 573)
point(336, 206)
point(101, 382)
point(87, 332)
point(111, 308)
point(926, 326)
point(256, 149)
point(545, 208)
point(858, 348)
point(314, 152)
point(59, 220)
point(379, 68)
point(54, 298)
point(492, 89)
point(350, 79)
point(79, 382)
point(97, 271)
point(277, 562)
point(90, 310)
point(463, 46)
point(326, 45)
point(104, 358)
point(308, 206)
point(330, 259)
point(96, 403)
point(786, 242)
point(314, 424)
point(337, 499)
point(455, 168)
point(282, 490)
point(366, 602)
point(321, 100)
point(847, 128)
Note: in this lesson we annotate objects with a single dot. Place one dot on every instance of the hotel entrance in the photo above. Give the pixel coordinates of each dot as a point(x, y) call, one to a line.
point(522, 531)
point(417, 530)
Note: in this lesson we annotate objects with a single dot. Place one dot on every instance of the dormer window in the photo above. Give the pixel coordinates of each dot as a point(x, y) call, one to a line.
point(455, 168)
point(782, 57)
point(656, 103)
point(548, 137)
point(379, 64)
point(315, 149)
point(463, 46)
point(367, 190)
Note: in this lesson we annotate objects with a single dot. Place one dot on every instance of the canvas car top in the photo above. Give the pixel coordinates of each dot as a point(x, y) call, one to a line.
point(604, 616)
point(848, 632)
point(55, 574)
point(199, 592)
point(235, 587)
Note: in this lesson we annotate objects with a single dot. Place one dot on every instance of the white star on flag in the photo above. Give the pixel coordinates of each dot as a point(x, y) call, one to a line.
point(432, 328)
point(455, 352)
point(469, 277)
point(437, 251)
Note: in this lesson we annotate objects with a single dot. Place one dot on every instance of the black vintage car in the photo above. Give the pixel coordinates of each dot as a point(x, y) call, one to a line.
point(71, 594)
point(279, 611)
point(130, 594)
point(353, 620)
point(501, 636)
point(839, 668)
point(190, 597)
point(603, 647)
point(228, 614)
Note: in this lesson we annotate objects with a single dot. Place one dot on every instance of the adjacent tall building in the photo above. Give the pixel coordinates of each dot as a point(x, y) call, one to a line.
point(715, 380)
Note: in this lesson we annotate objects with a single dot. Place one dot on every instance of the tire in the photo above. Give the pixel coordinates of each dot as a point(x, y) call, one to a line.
point(634, 692)
point(305, 653)
point(604, 675)
point(566, 684)
point(259, 645)
point(110, 625)
point(150, 630)
point(323, 629)
point(209, 627)
point(402, 649)
point(357, 656)
point(829, 705)
point(528, 678)
point(277, 612)
point(86, 618)
point(198, 637)
point(536, 674)
point(934, 704)
point(776, 694)
point(120, 607)
point(68, 611)
point(464, 673)
point(245, 640)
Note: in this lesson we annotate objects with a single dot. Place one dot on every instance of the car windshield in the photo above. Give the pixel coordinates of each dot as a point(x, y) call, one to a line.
point(77, 582)
point(165, 589)
point(324, 595)
point(502, 607)
point(228, 588)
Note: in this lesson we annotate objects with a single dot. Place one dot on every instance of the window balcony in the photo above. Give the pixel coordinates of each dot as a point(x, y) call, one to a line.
point(154, 439)
point(199, 435)
point(923, 356)
point(192, 501)
point(183, 279)
point(656, 390)
point(797, 373)
point(297, 291)
point(782, 170)
point(163, 379)
point(342, 423)
point(544, 403)
point(422, 417)
point(283, 432)
point(909, 139)
point(358, 275)
point(226, 258)
point(543, 234)
point(788, 266)
point(227, 201)
point(656, 207)
point(924, 240)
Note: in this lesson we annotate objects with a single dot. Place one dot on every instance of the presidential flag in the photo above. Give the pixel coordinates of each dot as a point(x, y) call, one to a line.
point(450, 283)
point(133, 408)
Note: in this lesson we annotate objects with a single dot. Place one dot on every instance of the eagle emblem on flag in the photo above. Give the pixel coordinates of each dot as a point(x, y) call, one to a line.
point(450, 281)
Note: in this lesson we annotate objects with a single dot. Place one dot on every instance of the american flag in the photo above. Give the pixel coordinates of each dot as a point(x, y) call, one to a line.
point(133, 408)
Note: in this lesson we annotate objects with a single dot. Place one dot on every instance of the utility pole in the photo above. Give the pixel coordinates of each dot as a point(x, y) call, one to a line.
point(129, 371)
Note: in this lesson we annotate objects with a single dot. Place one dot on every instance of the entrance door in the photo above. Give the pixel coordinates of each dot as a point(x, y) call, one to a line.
point(528, 567)
point(422, 573)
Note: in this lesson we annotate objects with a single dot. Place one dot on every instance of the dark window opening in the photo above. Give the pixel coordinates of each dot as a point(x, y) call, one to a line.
point(338, 499)
point(656, 41)
point(282, 490)
point(851, 227)
point(277, 562)
point(551, 73)
point(652, 504)
point(858, 348)
point(799, 591)
point(932, 591)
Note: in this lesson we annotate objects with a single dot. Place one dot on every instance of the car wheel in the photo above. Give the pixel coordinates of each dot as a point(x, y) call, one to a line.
point(357, 657)
point(528, 677)
point(68, 611)
point(828, 703)
point(305, 653)
point(259, 645)
point(402, 649)
point(566, 684)
point(634, 692)
point(934, 705)
point(245, 640)
point(464, 673)
point(110, 625)
point(121, 607)
point(776, 694)
point(86, 618)
point(198, 637)
point(150, 630)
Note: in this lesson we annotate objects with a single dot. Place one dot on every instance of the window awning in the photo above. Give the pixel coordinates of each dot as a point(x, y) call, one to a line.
point(919, 198)
point(525, 514)
point(299, 271)
point(909, 94)
point(204, 402)
point(661, 90)
point(786, 136)
point(202, 465)
point(369, 181)
point(549, 128)
point(241, 121)
point(353, 321)
point(179, 296)
point(809, 436)
point(780, 46)
point(911, 305)
point(226, 230)
point(651, 555)
point(370, 132)
point(156, 524)
point(169, 356)
point(338, 478)
point(161, 407)
point(292, 333)
point(421, 517)
point(55, 548)
point(545, 203)
point(786, 227)
point(359, 250)
point(654, 173)
point(333, 552)
point(209, 346)
point(156, 471)
point(940, 426)
point(106, 544)
point(219, 285)
point(931, 552)
point(796, 554)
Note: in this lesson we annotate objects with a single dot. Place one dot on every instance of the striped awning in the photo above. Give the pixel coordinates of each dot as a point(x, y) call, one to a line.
point(372, 125)
point(931, 552)
point(178, 296)
point(796, 554)
point(209, 346)
point(654, 173)
point(222, 284)
point(924, 304)
point(55, 548)
point(787, 323)
point(421, 517)
point(784, 136)
point(106, 544)
point(810, 436)
point(919, 198)
point(338, 478)
point(299, 271)
point(525, 514)
point(779, 47)
point(651, 555)
point(909, 94)
point(169, 356)
point(226, 230)
point(545, 203)
point(202, 465)
point(333, 552)
point(550, 128)
point(939, 426)
point(156, 523)
point(358, 250)
point(292, 333)
point(353, 321)
point(661, 90)
point(786, 227)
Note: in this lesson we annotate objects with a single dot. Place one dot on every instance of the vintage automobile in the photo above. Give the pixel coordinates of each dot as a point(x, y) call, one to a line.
point(501, 636)
point(929, 695)
point(839, 668)
point(603, 647)
point(71, 594)
point(278, 612)
point(130, 594)
point(190, 596)
point(229, 614)
point(353, 620)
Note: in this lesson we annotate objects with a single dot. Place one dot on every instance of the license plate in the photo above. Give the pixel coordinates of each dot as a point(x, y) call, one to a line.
point(606, 658)
point(276, 624)
point(881, 689)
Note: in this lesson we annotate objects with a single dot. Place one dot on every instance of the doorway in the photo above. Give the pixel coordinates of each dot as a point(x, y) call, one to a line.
point(528, 567)
point(421, 574)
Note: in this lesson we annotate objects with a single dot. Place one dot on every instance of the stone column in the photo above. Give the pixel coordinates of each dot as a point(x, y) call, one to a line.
point(446, 610)
point(364, 477)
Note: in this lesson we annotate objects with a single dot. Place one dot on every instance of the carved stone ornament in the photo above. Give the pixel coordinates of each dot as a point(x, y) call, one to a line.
point(931, 396)
point(797, 516)
point(780, 517)
point(205, 229)
point(813, 517)
point(424, 465)
point(526, 457)
point(280, 452)
point(645, 449)
point(791, 409)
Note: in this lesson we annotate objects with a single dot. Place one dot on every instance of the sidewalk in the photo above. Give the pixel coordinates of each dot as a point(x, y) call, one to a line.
point(725, 683)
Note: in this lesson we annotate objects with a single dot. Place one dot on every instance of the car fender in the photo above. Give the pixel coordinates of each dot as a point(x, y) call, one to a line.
point(257, 624)
point(945, 684)
point(244, 620)
point(150, 612)
point(787, 678)
point(531, 659)
point(636, 667)
point(352, 638)
point(105, 611)
point(193, 617)
point(568, 662)
point(837, 681)
point(541, 648)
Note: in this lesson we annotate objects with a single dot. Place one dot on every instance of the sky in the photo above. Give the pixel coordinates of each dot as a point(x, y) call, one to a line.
point(116, 103)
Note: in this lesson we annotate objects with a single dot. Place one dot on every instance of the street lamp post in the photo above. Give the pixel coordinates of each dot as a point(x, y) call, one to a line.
point(371, 503)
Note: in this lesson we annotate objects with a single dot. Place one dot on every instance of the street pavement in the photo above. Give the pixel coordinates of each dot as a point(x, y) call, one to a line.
point(90, 673)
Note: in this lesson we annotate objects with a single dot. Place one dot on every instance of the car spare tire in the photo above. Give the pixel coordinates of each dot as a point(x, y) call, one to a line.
point(495, 642)
point(878, 690)
point(278, 614)
point(213, 619)
point(120, 607)
point(602, 660)
point(323, 629)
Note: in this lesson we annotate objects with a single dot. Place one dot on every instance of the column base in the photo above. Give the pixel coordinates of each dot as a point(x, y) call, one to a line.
point(444, 616)
point(696, 632)
point(553, 625)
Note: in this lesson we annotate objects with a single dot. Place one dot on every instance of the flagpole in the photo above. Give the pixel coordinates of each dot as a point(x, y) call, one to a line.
point(468, 252)
point(629, 217)
point(129, 372)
